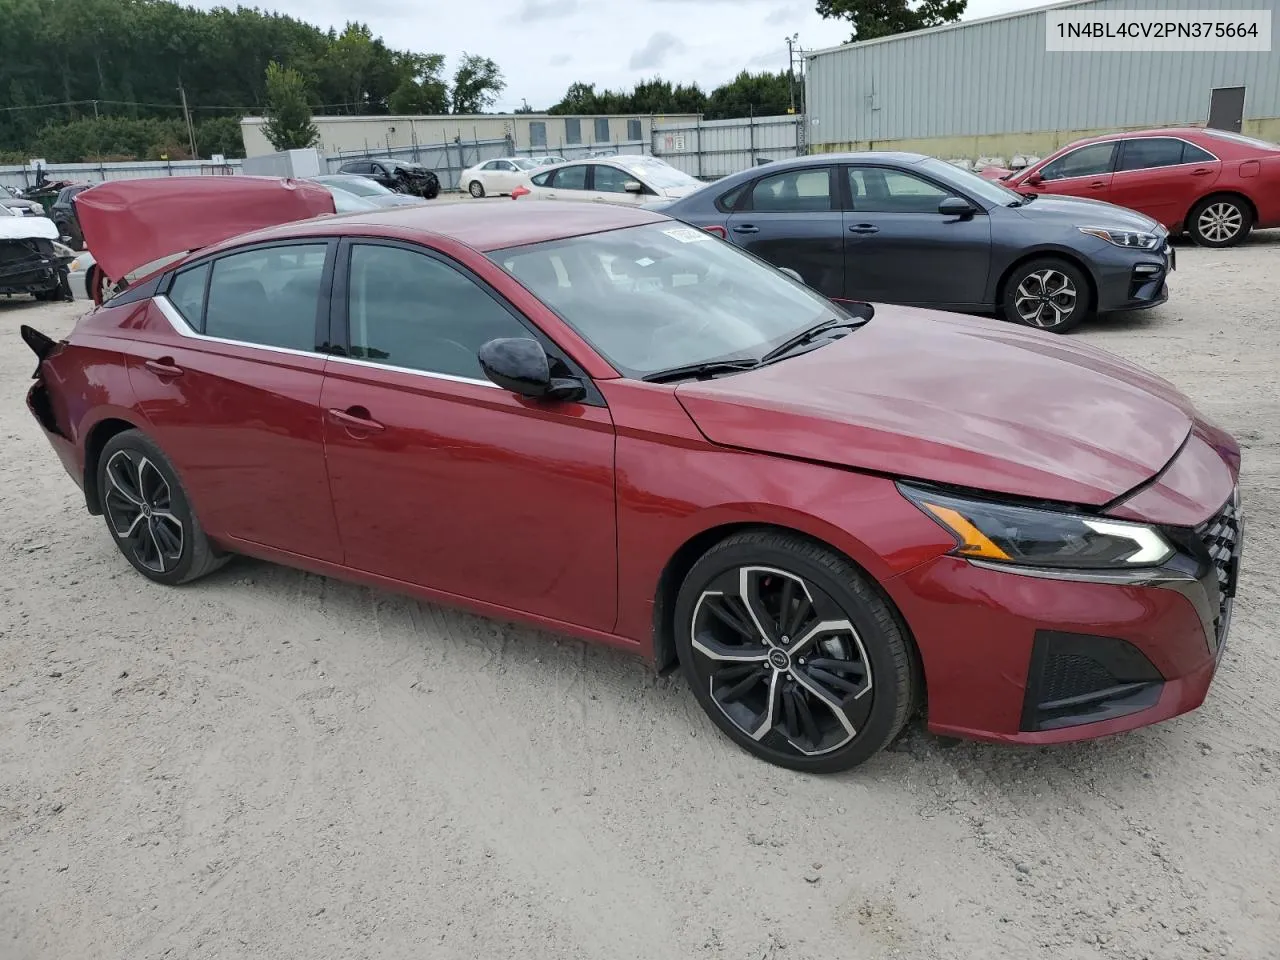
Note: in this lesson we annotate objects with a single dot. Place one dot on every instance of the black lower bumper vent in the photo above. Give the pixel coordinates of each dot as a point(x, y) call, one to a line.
point(1075, 678)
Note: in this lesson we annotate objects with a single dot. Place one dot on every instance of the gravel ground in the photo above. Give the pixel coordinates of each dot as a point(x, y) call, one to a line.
point(272, 764)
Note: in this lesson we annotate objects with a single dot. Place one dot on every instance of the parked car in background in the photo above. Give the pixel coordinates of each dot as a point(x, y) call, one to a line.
point(495, 177)
point(402, 176)
point(370, 190)
point(631, 180)
point(344, 201)
point(11, 199)
point(63, 213)
point(548, 160)
point(32, 260)
point(1215, 185)
point(904, 228)
point(610, 424)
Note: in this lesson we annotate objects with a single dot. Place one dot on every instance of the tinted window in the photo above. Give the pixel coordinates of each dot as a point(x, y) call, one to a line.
point(795, 191)
point(1144, 152)
point(186, 293)
point(538, 133)
point(573, 130)
point(1193, 154)
point(633, 130)
point(408, 310)
point(602, 129)
point(728, 201)
point(543, 178)
point(571, 178)
point(881, 190)
point(267, 296)
point(356, 166)
point(1086, 162)
point(611, 179)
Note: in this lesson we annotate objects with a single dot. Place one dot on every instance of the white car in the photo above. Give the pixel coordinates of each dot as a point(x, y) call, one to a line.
point(548, 160)
point(633, 180)
point(495, 177)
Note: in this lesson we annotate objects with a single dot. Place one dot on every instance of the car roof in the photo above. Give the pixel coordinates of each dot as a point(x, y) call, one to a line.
point(483, 227)
point(1193, 134)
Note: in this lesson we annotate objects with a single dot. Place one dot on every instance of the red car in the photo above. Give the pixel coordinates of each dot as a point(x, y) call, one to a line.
point(1215, 185)
point(616, 426)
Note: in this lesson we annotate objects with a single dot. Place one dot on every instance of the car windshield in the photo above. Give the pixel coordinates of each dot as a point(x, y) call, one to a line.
point(359, 186)
point(970, 182)
point(1240, 138)
point(664, 295)
point(659, 174)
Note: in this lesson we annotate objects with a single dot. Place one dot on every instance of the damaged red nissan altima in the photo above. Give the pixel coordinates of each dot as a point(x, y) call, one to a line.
point(622, 428)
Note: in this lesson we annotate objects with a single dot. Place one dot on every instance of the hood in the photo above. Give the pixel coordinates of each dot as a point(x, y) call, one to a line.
point(1082, 212)
point(965, 402)
point(28, 228)
point(130, 223)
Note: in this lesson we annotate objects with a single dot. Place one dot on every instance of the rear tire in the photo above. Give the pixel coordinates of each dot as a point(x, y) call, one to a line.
point(476, 189)
point(1220, 221)
point(793, 653)
point(148, 514)
point(1047, 293)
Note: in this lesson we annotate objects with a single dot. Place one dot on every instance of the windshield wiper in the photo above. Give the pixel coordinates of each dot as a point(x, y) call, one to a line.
point(1023, 200)
point(708, 368)
point(807, 336)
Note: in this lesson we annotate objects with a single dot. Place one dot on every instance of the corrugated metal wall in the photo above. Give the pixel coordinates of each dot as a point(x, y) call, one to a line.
point(996, 77)
point(716, 148)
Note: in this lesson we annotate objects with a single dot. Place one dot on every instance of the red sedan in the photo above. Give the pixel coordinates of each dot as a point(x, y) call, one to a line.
point(619, 427)
point(1215, 185)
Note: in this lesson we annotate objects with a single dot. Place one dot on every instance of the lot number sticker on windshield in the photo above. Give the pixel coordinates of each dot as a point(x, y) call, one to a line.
point(686, 234)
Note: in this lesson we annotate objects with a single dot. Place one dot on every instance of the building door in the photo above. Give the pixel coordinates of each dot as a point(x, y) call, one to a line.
point(1226, 109)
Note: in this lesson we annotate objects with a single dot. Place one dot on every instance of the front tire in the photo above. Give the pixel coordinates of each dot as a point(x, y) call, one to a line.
point(148, 514)
point(476, 189)
point(1047, 293)
point(792, 653)
point(1220, 222)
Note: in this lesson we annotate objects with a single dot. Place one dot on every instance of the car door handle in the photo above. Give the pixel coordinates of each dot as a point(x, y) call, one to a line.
point(356, 420)
point(864, 228)
point(1201, 172)
point(1098, 184)
point(164, 367)
point(746, 228)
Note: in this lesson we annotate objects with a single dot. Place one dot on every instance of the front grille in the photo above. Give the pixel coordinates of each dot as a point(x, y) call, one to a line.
point(1220, 535)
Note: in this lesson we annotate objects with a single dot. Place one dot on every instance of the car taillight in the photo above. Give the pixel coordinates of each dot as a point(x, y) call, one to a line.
point(718, 230)
point(519, 192)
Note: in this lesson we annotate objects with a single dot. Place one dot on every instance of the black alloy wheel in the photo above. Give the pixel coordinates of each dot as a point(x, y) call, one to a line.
point(1048, 294)
point(148, 514)
point(792, 653)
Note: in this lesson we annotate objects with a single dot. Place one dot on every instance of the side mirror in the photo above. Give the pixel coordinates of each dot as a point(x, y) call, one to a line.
point(633, 186)
point(1034, 180)
point(793, 274)
point(956, 207)
point(519, 364)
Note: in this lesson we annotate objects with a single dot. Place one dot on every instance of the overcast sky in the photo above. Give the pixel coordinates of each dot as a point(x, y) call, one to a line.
point(543, 46)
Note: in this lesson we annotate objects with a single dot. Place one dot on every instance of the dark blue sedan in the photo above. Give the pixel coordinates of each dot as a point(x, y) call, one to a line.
point(909, 229)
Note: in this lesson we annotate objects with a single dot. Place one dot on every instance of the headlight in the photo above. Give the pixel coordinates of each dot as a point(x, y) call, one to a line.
point(1040, 538)
point(1132, 239)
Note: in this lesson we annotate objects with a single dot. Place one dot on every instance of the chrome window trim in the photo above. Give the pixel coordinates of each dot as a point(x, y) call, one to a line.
point(184, 329)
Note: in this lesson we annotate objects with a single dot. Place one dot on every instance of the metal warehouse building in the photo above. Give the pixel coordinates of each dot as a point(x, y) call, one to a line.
point(989, 88)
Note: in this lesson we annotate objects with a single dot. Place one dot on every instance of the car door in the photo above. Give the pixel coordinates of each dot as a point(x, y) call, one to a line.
point(609, 185)
point(1162, 176)
point(1084, 172)
point(230, 384)
point(900, 249)
point(793, 219)
point(505, 176)
point(568, 183)
point(383, 174)
point(443, 480)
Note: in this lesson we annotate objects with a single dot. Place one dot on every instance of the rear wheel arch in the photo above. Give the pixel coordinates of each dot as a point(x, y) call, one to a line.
point(95, 442)
point(1220, 195)
point(692, 550)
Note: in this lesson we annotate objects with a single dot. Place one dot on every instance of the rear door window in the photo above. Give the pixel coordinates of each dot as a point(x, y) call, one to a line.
point(807, 190)
point(571, 178)
point(267, 296)
point(1143, 153)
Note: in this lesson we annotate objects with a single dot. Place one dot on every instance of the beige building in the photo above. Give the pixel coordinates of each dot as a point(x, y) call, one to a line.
point(528, 131)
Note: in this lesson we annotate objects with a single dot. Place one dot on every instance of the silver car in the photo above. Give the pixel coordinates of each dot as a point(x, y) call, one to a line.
point(369, 190)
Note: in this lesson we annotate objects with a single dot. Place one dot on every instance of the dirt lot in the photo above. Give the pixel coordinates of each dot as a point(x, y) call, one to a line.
point(271, 764)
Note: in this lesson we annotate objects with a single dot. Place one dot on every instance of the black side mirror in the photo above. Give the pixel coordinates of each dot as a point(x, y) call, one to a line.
point(519, 364)
point(956, 207)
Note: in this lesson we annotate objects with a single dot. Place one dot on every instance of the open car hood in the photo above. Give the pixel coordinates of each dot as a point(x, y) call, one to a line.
point(130, 223)
point(958, 401)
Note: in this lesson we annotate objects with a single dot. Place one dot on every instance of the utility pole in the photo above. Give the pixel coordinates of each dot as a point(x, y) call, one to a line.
point(191, 131)
point(791, 71)
point(95, 109)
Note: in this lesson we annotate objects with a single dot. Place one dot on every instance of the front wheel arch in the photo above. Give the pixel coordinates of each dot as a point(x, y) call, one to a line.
point(1051, 253)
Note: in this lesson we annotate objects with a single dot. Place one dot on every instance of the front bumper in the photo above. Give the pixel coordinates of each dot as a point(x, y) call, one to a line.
point(1037, 657)
point(1128, 280)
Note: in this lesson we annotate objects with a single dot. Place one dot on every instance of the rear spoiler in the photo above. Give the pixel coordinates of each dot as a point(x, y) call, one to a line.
point(128, 224)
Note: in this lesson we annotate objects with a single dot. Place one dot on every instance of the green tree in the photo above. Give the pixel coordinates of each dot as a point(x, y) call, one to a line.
point(748, 94)
point(476, 85)
point(288, 115)
point(881, 18)
point(423, 89)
